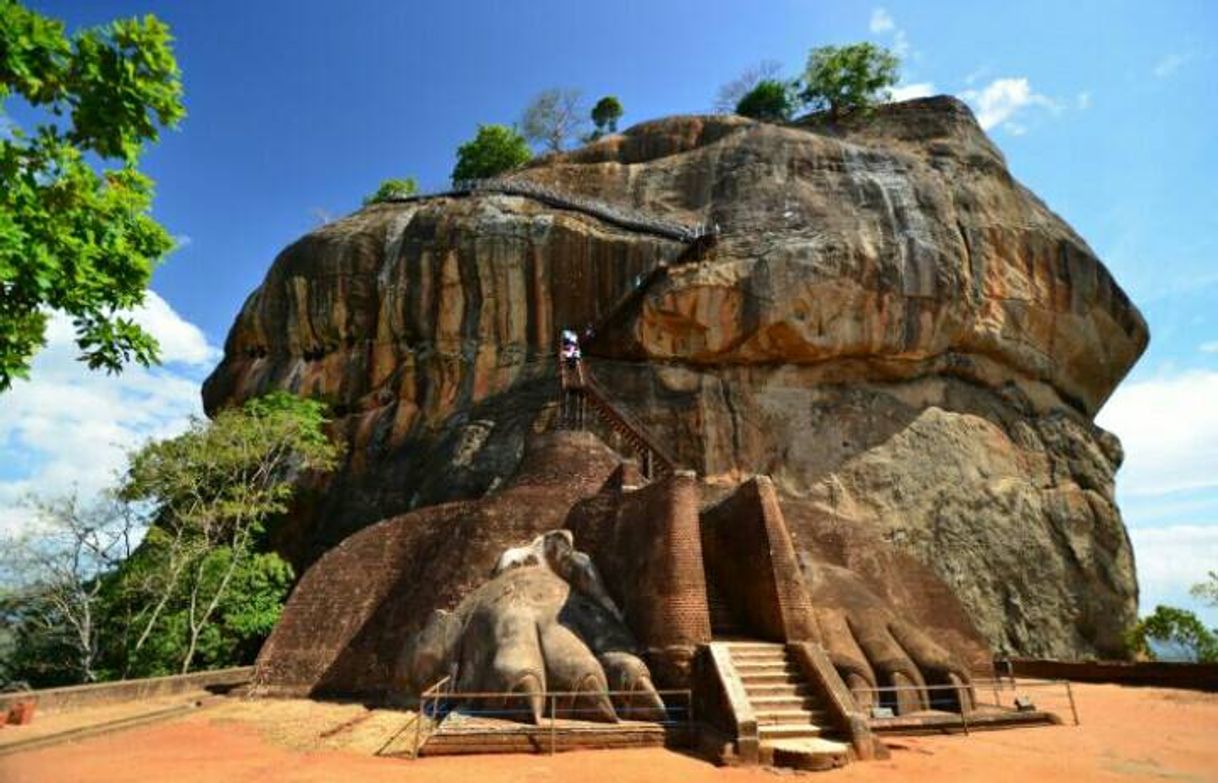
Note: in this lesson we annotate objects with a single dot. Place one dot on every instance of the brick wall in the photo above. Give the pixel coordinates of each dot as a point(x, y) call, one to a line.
point(750, 556)
point(647, 545)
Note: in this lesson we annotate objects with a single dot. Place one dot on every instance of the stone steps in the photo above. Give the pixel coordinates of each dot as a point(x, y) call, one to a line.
point(791, 717)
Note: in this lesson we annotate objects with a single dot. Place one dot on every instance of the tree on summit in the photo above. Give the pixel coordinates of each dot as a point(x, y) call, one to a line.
point(496, 149)
point(771, 100)
point(393, 188)
point(605, 114)
point(849, 79)
point(553, 117)
point(76, 235)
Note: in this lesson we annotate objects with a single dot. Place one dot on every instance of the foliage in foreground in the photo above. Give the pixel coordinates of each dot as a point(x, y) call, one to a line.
point(200, 589)
point(76, 235)
point(496, 149)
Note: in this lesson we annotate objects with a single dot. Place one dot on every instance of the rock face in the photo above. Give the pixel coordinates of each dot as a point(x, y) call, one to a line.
point(903, 337)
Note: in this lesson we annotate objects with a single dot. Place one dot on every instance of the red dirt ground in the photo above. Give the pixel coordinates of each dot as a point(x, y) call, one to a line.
point(1126, 734)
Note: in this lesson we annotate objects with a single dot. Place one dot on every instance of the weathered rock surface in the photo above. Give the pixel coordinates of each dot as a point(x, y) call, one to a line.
point(905, 338)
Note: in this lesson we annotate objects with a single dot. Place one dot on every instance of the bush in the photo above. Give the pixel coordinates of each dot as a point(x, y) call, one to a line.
point(770, 100)
point(393, 188)
point(606, 113)
point(850, 78)
point(496, 149)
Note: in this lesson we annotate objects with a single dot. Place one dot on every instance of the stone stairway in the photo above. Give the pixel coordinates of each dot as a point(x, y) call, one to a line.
point(792, 720)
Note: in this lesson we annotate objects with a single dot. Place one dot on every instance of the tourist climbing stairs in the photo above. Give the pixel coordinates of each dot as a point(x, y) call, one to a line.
point(582, 393)
point(791, 717)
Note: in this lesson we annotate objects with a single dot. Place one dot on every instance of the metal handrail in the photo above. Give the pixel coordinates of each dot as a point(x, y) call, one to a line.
point(972, 687)
point(600, 209)
point(436, 692)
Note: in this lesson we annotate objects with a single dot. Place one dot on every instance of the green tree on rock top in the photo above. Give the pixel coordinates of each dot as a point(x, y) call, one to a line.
point(606, 113)
point(771, 100)
point(849, 79)
point(76, 235)
point(393, 188)
point(496, 149)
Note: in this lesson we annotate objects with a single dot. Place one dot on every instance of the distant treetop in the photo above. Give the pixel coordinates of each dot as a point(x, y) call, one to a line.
point(494, 150)
point(393, 188)
point(849, 78)
point(606, 113)
point(553, 117)
point(771, 100)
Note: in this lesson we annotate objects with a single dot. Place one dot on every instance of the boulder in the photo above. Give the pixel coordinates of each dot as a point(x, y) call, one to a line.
point(906, 339)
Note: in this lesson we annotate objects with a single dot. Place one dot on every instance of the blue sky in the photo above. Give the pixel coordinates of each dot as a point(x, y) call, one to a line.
point(298, 109)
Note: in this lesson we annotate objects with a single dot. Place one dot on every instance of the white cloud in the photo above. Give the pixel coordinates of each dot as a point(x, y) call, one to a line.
point(181, 341)
point(1169, 428)
point(907, 92)
point(1002, 99)
point(1168, 65)
point(977, 75)
point(69, 428)
point(1083, 101)
point(1210, 347)
point(881, 21)
point(1170, 560)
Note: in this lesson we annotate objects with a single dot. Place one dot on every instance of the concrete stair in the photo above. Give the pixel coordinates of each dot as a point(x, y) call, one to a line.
point(791, 718)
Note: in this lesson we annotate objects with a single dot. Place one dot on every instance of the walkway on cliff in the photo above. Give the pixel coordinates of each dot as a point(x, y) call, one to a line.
point(629, 219)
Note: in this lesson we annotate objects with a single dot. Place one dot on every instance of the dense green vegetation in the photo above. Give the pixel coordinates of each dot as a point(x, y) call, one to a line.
point(496, 149)
point(201, 589)
point(75, 230)
point(770, 100)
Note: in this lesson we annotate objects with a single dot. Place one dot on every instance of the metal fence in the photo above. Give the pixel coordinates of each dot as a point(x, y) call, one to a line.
point(995, 696)
point(626, 218)
point(488, 713)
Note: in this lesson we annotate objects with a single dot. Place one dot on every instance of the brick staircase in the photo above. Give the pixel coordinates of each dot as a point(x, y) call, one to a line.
point(792, 720)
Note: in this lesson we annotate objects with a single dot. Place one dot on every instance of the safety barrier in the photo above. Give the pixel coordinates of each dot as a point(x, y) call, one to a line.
point(979, 702)
point(486, 716)
point(629, 219)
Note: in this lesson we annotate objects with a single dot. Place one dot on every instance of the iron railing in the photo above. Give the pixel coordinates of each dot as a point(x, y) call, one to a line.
point(489, 713)
point(965, 698)
point(610, 213)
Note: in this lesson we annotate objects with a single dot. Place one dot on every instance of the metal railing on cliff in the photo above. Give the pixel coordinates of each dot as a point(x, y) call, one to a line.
point(632, 220)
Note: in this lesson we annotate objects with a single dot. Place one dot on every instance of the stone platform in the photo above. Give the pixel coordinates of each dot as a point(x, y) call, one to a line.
point(460, 734)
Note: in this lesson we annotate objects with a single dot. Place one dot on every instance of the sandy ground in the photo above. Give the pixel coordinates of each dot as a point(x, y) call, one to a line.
point(1126, 734)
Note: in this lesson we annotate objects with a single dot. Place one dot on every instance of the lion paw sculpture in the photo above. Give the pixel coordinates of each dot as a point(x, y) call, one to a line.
point(543, 625)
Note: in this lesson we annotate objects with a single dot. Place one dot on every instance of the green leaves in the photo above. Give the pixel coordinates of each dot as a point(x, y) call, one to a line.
point(1179, 630)
point(393, 188)
point(771, 101)
point(606, 113)
point(849, 78)
point(76, 236)
point(496, 149)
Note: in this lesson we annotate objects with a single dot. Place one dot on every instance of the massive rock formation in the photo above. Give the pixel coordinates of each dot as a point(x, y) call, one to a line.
point(908, 341)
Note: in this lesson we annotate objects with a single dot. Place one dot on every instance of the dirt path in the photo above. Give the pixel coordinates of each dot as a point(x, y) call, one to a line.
point(1127, 734)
